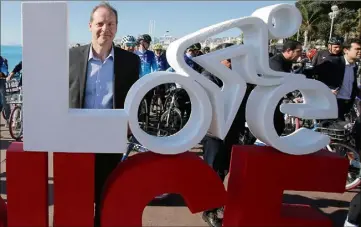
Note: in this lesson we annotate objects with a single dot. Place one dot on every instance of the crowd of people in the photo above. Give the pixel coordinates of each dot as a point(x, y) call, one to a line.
point(121, 66)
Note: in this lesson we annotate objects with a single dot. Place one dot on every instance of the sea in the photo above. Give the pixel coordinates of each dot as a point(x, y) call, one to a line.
point(13, 54)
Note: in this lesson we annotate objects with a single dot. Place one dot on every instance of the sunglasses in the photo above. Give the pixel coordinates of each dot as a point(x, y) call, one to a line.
point(130, 44)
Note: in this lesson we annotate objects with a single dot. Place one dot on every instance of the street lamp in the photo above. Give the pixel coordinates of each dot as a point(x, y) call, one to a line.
point(332, 16)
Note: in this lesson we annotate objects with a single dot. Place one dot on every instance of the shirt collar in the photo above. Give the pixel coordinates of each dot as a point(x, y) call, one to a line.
point(91, 55)
point(348, 63)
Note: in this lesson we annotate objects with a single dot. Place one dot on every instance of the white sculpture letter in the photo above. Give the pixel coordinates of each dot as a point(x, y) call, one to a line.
point(49, 124)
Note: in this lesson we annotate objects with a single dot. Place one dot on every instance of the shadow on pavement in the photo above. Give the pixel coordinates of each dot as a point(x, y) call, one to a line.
point(173, 200)
point(338, 217)
point(317, 203)
point(5, 143)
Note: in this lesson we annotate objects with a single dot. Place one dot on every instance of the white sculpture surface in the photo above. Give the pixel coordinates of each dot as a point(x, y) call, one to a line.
point(49, 125)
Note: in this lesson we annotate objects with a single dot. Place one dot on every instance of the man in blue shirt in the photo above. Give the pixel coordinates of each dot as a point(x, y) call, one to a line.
point(100, 76)
point(3, 74)
point(147, 57)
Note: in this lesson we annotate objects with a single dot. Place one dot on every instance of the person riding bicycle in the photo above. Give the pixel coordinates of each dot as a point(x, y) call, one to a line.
point(147, 57)
point(128, 43)
point(334, 49)
point(3, 75)
point(17, 69)
point(160, 57)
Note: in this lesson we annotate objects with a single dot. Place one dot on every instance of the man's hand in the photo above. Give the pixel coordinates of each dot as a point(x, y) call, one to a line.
point(335, 92)
point(9, 77)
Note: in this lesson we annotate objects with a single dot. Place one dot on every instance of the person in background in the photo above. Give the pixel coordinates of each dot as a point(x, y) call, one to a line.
point(160, 57)
point(147, 57)
point(206, 50)
point(128, 43)
point(217, 152)
point(282, 62)
point(353, 218)
point(17, 69)
point(334, 49)
point(4, 106)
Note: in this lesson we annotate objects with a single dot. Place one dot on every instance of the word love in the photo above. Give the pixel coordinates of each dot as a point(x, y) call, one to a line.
point(49, 125)
point(140, 178)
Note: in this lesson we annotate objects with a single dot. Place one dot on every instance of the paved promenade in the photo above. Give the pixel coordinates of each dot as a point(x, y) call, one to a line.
point(172, 211)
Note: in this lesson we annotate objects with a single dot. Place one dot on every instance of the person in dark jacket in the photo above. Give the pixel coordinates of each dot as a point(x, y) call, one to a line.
point(339, 73)
point(217, 152)
point(354, 213)
point(282, 62)
point(17, 69)
point(334, 49)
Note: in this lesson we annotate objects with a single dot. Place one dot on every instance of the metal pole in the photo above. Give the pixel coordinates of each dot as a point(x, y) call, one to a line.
point(332, 18)
point(298, 34)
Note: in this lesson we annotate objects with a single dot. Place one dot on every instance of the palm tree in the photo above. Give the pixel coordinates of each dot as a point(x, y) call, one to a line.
point(348, 22)
point(310, 18)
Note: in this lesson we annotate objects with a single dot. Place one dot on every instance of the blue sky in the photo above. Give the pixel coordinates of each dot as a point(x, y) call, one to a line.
point(177, 17)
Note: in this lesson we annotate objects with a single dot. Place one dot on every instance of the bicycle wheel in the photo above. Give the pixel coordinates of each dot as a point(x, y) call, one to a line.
point(16, 123)
point(143, 116)
point(354, 171)
point(171, 121)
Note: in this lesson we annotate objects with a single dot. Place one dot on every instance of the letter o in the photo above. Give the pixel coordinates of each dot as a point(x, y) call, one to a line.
point(196, 127)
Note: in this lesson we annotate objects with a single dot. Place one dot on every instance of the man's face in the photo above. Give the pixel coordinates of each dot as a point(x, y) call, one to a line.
point(145, 44)
point(293, 55)
point(227, 63)
point(191, 52)
point(334, 49)
point(103, 27)
point(354, 52)
point(158, 52)
point(129, 47)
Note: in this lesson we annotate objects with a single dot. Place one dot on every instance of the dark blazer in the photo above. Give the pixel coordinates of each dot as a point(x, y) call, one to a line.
point(126, 73)
point(332, 71)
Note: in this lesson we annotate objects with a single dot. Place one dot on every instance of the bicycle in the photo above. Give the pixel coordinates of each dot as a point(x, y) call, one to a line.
point(16, 117)
point(171, 119)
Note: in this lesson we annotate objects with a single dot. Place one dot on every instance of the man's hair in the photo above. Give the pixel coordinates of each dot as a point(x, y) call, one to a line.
point(348, 43)
point(291, 44)
point(107, 6)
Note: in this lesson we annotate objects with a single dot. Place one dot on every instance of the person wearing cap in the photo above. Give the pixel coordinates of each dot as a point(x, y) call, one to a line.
point(160, 57)
point(334, 49)
point(147, 57)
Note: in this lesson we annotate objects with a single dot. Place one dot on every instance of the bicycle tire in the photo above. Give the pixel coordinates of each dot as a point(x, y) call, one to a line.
point(15, 136)
point(357, 181)
point(145, 114)
point(178, 114)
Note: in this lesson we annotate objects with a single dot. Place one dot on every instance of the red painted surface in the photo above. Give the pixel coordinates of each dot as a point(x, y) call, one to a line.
point(258, 177)
point(27, 187)
point(73, 189)
point(266, 173)
point(143, 176)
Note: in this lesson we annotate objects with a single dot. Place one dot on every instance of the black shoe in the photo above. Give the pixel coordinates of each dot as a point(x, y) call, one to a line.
point(220, 212)
point(211, 218)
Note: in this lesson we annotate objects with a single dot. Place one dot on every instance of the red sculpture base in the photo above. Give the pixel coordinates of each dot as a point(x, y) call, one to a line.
point(258, 177)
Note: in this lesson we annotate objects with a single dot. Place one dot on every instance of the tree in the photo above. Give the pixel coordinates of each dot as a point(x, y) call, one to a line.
point(310, 17)
point(348, 23)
